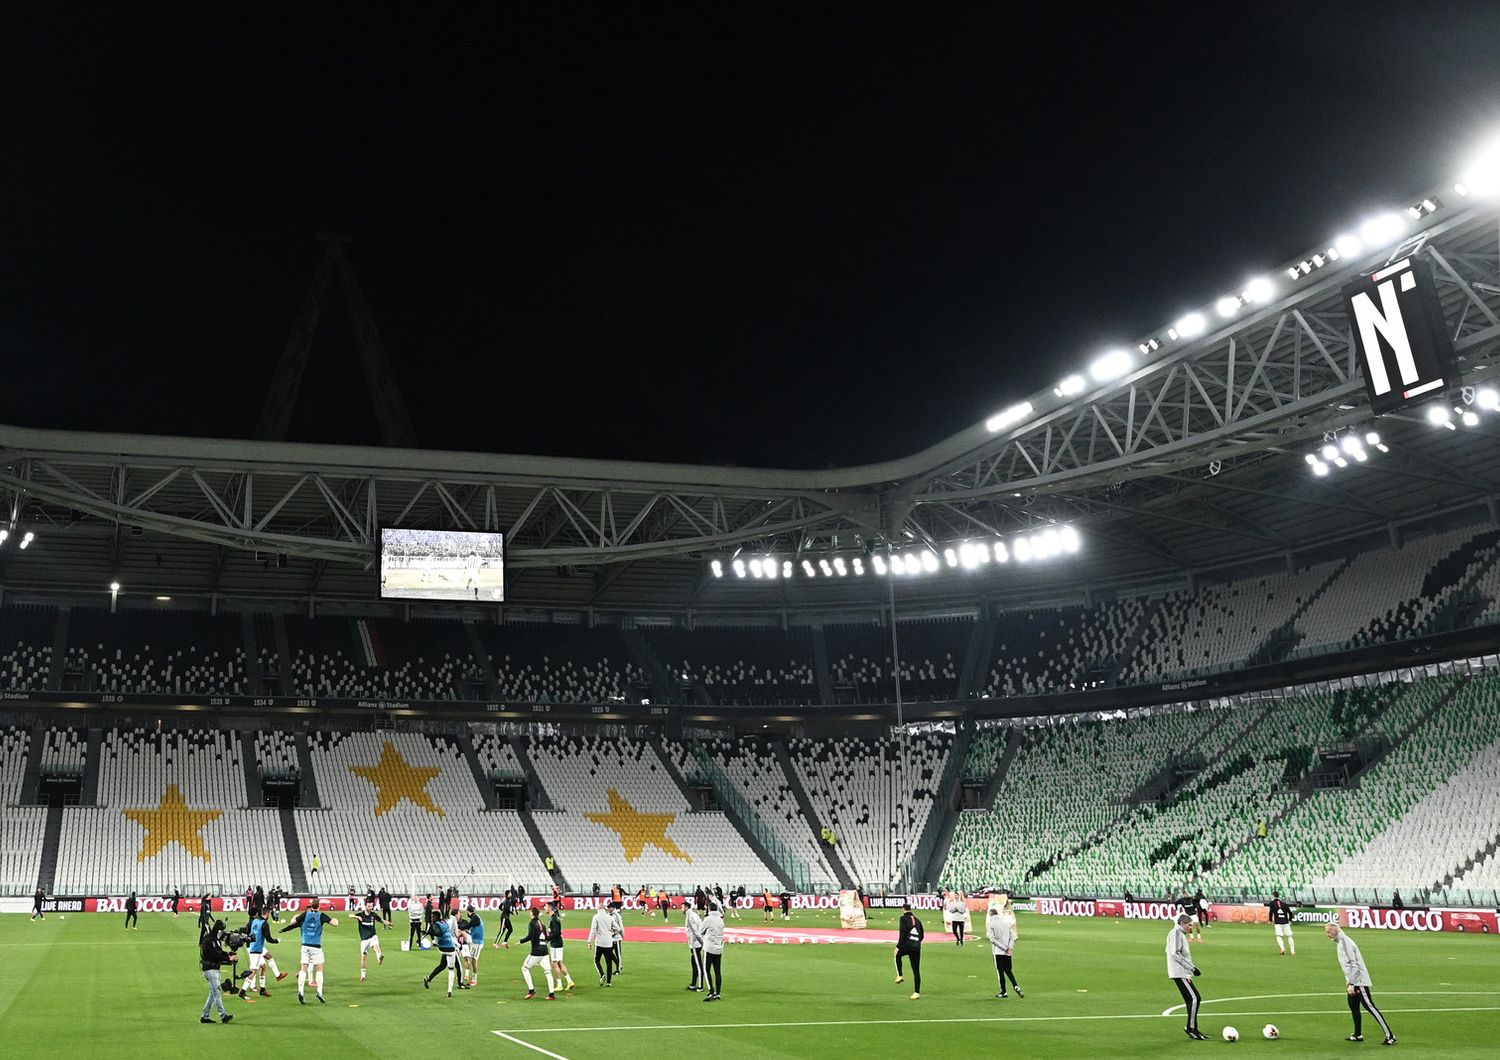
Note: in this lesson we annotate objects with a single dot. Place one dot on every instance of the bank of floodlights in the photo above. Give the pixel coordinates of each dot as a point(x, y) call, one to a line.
point(1036, 546)
point(1346, 450)
point(1480, 178)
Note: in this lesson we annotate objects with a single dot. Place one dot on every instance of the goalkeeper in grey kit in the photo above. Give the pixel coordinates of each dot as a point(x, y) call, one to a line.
point(1357, 985)
point(1182, 970)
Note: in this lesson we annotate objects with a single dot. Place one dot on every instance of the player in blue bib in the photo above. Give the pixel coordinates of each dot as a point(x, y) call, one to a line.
point(442, 933)
point(473, 926)
point(311, 924)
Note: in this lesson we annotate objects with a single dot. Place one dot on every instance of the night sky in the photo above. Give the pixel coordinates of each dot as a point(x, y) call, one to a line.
point(798, 239)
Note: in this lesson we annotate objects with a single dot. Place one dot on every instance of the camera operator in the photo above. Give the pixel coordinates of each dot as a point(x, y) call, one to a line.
point(211, 956)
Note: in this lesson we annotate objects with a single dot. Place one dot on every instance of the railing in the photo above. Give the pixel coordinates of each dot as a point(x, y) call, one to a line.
point(801, 875)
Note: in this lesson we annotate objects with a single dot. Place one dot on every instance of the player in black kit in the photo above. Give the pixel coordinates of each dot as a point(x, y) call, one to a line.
point(909, 945)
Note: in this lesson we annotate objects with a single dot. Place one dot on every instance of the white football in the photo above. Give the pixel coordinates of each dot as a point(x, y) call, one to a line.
point(1270, 1031)
point(1231, 1035)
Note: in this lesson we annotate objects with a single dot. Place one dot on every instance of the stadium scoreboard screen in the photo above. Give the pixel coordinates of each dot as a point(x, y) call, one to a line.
point(1400, 333)
point(442, 565)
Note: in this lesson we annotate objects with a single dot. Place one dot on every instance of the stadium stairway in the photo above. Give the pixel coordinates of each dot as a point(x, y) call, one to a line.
point(294, 862)
point(646, 657)
point(976, 657)
point(1132, 642)
point(543, 852)
point(252, 654)
point(254, 795)
point(1281, 641)
point(1483, 854)
point(945, 809)
point(481, 781)
point(672, 771)
point(1400, 737)
point(792, 870)
point(481, 658)
point(820, 664)
point(31, 780)
point(89, 795)
point(59, 650)
point(51, 841)
point(307, 797)
point(284, 653)
point(834, 855)
point(992, 787)
point(535, 789)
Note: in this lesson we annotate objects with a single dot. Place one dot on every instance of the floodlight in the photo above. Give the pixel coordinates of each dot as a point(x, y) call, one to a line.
point(1351, 444)
point(1372, 438)
point(1071, 386)
point(1360, 455)
point(1051, 544)
point(1481, 176)
point(1339, 461)
point(1001, 553)
point(1471, 419)
point(1438, 415)
point(715, 566)
point(1312, 458)
point(1383, 229)
point(1227, 306)
point(839, 566)
point(1487, 398)
point(1192, 325)
point(878, 562)
point(4, 535)
point(1330, 452)
point(114, 587)
point(950, 557)
point(786, 568)
point(859, 566)
point(755, 567)
point(1260, 290)
point(913, 563)
point(1022, 548)
point(770, 567)
point(739, 568)
point(1319, 468)
point(929, 562)
point(1008, 418)
point(1070, 540)
point(966, 556)
point(1110, 365)
point(1347, 245)
point(807, 569)
point(826, 568)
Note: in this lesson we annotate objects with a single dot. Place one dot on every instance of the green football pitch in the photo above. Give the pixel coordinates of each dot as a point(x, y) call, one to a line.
point(83, 987)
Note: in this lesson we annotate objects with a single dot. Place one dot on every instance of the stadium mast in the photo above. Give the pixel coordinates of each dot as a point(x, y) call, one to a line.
point(390, 408)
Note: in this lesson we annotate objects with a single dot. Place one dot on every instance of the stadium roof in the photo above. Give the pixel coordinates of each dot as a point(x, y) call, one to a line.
point(1184, 453)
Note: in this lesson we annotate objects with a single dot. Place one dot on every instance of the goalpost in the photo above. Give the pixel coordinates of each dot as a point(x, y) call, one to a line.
point(468, 883)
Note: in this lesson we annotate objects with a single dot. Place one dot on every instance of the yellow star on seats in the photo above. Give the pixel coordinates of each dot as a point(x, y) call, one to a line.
point(395, 779)
point(170, 822)
point(637, 829)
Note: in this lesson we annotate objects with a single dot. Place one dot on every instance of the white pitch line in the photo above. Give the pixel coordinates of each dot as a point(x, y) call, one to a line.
point(956, 1019)
point(1172, 1011)
point(528, 1045)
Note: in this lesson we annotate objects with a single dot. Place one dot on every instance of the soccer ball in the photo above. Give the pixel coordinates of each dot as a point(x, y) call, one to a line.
point(1270, 1031)
point(1231, 1035)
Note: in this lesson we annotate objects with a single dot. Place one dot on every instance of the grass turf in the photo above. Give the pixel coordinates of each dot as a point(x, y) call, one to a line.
point(83, 987)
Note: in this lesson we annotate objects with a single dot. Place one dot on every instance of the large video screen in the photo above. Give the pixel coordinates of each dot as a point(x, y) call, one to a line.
point(442, 565)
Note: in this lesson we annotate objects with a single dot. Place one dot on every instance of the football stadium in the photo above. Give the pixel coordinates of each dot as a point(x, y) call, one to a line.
point(1156, 712)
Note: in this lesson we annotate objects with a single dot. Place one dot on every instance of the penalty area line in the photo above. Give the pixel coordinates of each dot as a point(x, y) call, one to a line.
point(528, 1045)
point(942, 1020)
